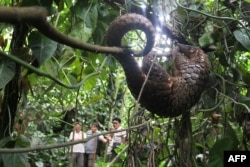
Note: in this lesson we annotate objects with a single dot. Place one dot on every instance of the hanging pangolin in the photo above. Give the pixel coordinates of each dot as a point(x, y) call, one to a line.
point(163, 94)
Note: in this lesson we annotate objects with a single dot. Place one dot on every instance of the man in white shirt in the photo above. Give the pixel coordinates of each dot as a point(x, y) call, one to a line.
point(77, 149)
point(116, 138)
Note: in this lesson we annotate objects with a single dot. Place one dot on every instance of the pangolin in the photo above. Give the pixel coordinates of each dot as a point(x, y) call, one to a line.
point(163, 94)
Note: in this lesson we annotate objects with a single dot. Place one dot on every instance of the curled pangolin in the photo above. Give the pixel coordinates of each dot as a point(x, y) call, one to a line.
point(164, 94)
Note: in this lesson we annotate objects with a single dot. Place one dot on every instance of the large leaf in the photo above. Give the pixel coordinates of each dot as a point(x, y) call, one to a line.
point(7, 72)
point(98, 36)
point(51, 67)
point(81, 32)
point(216, 154)
point(68, 58)
point(88, 14)
point(5, 141)
point(42, 47)
point(243, 38)
point(16, 159)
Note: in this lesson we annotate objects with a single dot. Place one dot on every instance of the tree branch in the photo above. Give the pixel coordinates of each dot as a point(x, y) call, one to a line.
point(40, 148)
point(41, 73)
point(36, 16)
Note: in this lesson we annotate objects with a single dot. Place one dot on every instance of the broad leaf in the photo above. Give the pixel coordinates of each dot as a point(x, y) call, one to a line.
point(67, 59)
point(243, 38)
point(81, 32)
point(98, 36)
point(42, 47)
point(51, 67)
point(7, 72)
point(216, 154)
point(16, 159)
point(88, 15)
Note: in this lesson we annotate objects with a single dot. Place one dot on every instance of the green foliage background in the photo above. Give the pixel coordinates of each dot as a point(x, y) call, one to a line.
point(218, 120)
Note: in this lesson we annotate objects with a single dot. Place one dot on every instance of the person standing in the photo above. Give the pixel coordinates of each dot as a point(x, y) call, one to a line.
point(77, 152)
point(91, 145)
point(116, 138)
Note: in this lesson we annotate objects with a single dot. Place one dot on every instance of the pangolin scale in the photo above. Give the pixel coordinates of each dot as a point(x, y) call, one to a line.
point(164, 94)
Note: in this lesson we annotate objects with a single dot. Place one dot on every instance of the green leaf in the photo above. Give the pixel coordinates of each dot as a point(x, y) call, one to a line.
point(231, 132)
point(89, 14)
point(51, 67)
point(67, 61)
point(42, 47)
point(245, 75)
point(98, 36)
point(157, 132)
point(81, 31)
point(71, 79)
point(243, 38)
point(216, 155)
point(206, 39)
point(89, 84)
point(245, 100)
point(93, 99)
point(5, 141)
point(22, 141)
point(16, 159)
point(7, 72)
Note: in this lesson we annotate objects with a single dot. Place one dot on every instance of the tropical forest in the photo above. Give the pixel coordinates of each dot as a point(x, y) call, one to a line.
point(174, 75)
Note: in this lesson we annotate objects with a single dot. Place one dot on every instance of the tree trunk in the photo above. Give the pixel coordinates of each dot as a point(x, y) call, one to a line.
point(11, 91)
point(185, 141)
